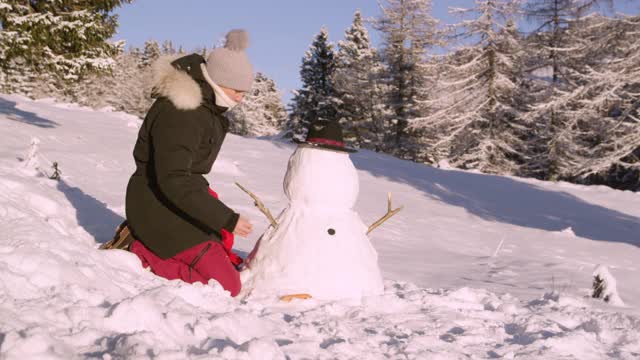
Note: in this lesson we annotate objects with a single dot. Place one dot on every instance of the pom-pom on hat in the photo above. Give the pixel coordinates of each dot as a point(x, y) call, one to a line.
point(229, 66)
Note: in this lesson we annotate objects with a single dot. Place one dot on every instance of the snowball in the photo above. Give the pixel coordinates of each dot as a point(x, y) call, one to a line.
point(321, 178)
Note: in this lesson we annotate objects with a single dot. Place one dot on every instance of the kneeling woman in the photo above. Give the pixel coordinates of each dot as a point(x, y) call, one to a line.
point(183, 230)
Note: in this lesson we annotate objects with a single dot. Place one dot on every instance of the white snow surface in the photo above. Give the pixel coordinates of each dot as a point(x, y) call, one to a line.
point(319, 245)
point(475, 266)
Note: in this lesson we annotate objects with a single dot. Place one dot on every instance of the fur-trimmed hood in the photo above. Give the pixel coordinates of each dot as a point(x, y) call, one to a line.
point(180, 79)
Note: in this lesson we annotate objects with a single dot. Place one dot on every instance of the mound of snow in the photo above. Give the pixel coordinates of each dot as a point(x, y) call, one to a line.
point(605, 287)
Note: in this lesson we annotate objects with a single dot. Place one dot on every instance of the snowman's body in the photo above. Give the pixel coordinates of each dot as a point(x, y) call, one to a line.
point(320, 246)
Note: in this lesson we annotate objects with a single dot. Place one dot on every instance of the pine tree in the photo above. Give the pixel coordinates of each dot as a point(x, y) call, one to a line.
point(167, 48)
point(476, 112)
point(202, 50)
point(602, 132)
point(316, 99)
point(151, 52)
point(357, 82)
point(408, 29)
point(261, 112)
point(66, 39)
point(125, 88)
point(558, 69)
point(136, 53)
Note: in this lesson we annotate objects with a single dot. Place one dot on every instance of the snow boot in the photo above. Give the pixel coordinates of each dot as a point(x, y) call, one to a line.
point(121, 240)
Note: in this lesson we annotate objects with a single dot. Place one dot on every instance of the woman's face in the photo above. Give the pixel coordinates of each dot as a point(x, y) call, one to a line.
point(235, 95)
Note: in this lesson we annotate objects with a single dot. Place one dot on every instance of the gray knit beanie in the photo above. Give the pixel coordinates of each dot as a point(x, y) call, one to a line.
point(229, 66)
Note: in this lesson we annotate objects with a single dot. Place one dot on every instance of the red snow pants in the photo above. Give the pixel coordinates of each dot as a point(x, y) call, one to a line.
point(205, 261)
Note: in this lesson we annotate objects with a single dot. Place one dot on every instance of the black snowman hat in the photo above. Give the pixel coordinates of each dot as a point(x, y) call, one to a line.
point(326, 134)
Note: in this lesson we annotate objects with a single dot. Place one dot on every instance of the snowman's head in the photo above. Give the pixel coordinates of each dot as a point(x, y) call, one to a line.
point(321, 177)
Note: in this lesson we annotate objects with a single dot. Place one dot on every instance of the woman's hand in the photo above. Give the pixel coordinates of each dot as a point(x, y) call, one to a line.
point(243, 227)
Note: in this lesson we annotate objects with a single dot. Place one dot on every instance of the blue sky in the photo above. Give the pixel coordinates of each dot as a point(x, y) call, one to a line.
point(280, 30)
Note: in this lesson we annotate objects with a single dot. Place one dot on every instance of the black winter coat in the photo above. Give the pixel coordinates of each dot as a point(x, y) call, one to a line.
point(168, 205)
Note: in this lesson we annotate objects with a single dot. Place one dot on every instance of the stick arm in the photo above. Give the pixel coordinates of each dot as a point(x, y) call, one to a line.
point(260, 205)
point(387, 216)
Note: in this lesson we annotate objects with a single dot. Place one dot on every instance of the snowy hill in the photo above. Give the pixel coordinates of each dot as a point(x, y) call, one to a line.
point(476, 266)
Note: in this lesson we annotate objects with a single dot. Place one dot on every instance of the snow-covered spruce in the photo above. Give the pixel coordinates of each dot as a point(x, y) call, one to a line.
point(580, 93)
point(75, 43)
point(408, 30)
point(599, 132)
point(472, 119)
point(127, 87)
point(316, 99)
point(359, 84)
point(261, 112)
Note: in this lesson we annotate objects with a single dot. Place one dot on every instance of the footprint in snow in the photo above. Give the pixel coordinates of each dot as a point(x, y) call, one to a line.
point(451, 335)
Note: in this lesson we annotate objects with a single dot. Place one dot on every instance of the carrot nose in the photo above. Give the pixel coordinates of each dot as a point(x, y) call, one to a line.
point(288, 298)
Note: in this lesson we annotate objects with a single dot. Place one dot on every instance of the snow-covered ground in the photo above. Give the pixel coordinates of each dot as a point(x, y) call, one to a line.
point(476, 266)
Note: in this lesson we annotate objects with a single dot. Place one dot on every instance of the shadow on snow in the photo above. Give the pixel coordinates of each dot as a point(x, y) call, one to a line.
point(93, 215)
point(9, 109)
point(506, 200)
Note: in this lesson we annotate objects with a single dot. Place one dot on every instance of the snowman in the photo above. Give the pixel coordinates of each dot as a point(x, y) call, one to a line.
point(318, 246)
